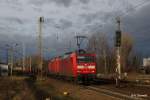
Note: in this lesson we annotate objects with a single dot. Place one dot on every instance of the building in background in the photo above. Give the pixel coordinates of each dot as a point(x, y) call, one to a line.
point(146, 65)
point(146, 62)
point(4, 69)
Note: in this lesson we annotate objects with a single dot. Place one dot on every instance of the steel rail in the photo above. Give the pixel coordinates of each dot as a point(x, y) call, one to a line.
point(113, 93)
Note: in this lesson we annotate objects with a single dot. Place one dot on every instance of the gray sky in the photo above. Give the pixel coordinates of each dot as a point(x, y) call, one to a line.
point(18, 20)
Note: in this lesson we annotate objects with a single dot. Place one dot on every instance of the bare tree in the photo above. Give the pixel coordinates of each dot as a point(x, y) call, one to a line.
point(106, 57)
point(135, 61)
point(98, 44)
point(126, 50)
point(92, 44)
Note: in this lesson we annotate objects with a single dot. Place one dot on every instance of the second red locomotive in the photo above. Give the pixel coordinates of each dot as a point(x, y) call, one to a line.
point(74, 65)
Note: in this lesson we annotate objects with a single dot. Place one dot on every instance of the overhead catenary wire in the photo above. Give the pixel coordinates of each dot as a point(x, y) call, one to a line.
point(129, 10)
point(125, 14)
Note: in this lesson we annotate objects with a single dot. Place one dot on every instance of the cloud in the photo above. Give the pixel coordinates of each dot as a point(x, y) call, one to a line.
point(139, 21)
point(14, 20)
point(14, 2)
point(137, 25)
point(38, 2)
point(84, 1)
point(65, 24)
point(65, 3)
point(70, 16)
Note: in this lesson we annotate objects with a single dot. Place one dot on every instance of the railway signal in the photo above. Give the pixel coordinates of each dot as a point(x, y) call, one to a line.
point(118, 57)
point(118, 38)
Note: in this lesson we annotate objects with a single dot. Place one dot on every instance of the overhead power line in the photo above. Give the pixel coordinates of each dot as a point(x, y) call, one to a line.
point(138, 5)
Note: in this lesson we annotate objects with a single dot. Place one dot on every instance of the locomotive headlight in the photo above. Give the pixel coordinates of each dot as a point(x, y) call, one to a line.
point(80, 67)
point(91, 67)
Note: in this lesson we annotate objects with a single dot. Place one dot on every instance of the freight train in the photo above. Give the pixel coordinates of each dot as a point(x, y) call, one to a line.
point(77, 66)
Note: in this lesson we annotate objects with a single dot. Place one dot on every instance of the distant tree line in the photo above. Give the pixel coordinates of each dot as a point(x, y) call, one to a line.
point(106, 53)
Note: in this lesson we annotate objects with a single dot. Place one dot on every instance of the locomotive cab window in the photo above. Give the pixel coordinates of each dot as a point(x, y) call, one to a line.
point(85, 59)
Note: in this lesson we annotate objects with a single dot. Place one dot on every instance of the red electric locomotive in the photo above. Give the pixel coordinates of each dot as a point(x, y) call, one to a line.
point(77, 66)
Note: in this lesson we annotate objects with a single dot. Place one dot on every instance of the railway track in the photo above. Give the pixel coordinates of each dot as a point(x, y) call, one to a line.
point(124, 93)
point(113, 94)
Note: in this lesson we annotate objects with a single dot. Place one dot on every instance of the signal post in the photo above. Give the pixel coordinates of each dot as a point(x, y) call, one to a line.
point(118, 55)
point(40, 49)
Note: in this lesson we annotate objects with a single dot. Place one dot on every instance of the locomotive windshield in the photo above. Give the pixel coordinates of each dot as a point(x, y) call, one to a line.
point(85, 59)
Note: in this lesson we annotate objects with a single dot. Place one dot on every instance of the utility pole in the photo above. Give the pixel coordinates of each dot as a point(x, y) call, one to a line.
point(23, 57)
point(11, 48)
point(118, 56)
point(30, 62)
point(95, 43)
point(41, 21)
point(105, 61)
point(57, 37)
point(0, 58)
point(70, 45)
point(11, 60)
point(7, 54)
